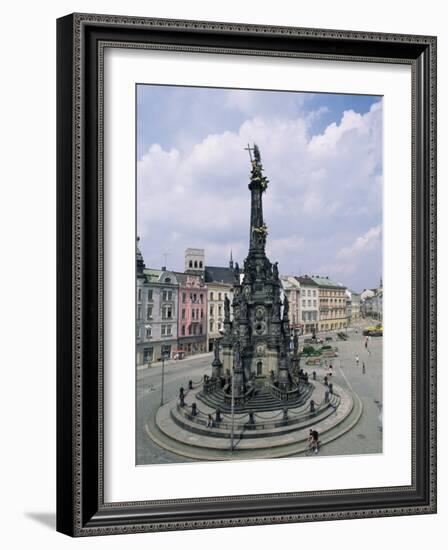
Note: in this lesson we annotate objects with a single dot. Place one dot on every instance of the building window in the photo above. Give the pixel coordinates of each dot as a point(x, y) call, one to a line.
point(200, 265)
point(148, 332)
point(167, 312)
point(184, 297)
point(167, 280)
point(200, 329)
point(183, 314)
point(211, 326)
point(139, 312)
point(303, 303)
point(211, 310)
point(220, 310)
point(314, 293)
point(314, 303)
point(150, 295)
point(166, 330)
point(309, 292)
point(201, 298)
point(219, 295)
point(183, 330)
point(225, 295)
point(149, 312)
point(167, 295)
point(195, 264)
point(211, 296)
point(219, 325)
point(202, 313)
point(139, 295)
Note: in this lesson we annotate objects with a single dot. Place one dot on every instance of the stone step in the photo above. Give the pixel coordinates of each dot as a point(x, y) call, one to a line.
point(262, 401)
point(243, 430)
point(175, 438)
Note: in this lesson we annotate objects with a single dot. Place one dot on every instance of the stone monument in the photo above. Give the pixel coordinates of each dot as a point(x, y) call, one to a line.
point(260, 328)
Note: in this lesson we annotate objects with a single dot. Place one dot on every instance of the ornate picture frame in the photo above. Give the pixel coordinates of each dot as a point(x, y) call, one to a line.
point(81, 506)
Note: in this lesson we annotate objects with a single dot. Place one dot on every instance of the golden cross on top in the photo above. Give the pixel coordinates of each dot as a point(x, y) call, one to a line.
point(249, 148)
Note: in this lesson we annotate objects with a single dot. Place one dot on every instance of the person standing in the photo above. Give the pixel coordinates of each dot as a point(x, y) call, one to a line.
point(363, 368)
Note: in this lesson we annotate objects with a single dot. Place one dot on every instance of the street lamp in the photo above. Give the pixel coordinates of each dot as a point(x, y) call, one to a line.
point(164, 355)
point(232, 411)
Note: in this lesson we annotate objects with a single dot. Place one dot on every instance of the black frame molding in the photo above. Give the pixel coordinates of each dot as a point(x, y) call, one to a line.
point(81, 39)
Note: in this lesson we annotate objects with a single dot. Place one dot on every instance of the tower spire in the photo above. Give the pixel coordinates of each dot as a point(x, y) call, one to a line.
point(258, 185)
point(231, 260)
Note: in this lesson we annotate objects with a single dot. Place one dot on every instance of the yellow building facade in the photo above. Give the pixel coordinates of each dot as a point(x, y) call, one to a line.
point(332, 304)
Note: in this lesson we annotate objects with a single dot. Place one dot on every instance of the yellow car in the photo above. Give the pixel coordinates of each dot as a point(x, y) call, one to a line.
point(377, 330)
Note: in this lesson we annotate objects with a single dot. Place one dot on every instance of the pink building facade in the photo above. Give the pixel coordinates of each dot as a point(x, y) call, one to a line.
point(192, 317)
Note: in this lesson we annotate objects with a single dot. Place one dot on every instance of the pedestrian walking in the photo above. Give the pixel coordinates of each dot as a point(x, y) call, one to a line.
point(313, 441)
point(363, 368)
point(357, 359)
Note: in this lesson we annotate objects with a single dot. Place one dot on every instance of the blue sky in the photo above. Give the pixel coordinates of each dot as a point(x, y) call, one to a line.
point(321, 152)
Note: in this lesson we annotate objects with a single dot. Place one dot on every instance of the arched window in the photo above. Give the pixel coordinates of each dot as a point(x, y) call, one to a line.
point(195, 264)
point(200, 265)
point(191, 263)
point(167, 280)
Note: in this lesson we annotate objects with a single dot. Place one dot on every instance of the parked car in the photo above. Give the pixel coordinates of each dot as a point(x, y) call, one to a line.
point(377, 330)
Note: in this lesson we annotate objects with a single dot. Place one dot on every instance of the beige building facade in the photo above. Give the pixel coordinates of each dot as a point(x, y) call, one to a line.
point(332, 304)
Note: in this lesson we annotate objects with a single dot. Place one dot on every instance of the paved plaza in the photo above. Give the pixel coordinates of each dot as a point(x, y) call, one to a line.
point(364, 438)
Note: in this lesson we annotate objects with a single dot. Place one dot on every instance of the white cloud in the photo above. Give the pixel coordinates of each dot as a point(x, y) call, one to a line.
point(323, 190)
point(370, 240)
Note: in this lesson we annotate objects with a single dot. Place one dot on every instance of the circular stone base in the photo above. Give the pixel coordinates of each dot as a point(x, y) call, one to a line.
point(173, 429)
